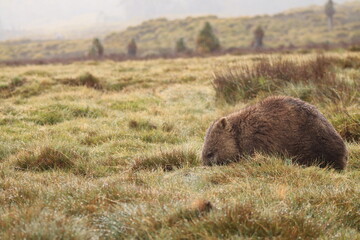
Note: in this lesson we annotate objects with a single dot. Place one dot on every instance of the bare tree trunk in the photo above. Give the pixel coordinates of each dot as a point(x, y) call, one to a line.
point(258, 43)
point(330, 23)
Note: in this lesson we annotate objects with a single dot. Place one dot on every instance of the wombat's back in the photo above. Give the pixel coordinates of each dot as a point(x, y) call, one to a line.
point(291, 127)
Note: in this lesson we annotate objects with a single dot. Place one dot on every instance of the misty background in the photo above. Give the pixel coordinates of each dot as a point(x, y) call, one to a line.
point(87, 18)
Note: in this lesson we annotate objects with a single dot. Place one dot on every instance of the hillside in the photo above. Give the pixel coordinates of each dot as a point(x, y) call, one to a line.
point(296, 27)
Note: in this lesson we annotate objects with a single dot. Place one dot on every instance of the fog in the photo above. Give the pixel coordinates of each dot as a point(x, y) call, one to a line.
point(31, 15)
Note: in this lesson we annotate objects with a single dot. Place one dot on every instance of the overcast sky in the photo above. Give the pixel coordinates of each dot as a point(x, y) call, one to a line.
point(32, 14)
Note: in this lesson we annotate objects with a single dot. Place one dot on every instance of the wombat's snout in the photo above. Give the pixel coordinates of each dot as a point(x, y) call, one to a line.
point(208, 158)
point(208, 163)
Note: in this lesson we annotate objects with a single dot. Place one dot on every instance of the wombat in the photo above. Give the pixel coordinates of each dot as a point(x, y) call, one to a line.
point(277, 125)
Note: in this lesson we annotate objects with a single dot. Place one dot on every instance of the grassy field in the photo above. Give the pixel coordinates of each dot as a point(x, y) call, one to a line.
point(107, 150)
point(301, 28)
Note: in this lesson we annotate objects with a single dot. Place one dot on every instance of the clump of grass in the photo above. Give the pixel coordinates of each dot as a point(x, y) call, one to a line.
point(348, 125)
point(354, 156)
point(17, 82)
point(20, 86)
point(33, 89)
point(348, 62)
point(57, 113)
point(94, 138)
point(9, 89)
point(166, 160)
point(355, 48)
point(44, 158)
point(141, 125)
point(245, 220)
point(273, 75)
point(303, 91)
point(197, 209)
point(239, 221)
point(86, 79)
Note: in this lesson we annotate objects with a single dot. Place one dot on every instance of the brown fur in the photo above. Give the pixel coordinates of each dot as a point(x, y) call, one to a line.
point(277, 125)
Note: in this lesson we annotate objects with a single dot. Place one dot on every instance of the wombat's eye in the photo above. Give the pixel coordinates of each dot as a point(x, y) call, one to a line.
point(209, 155)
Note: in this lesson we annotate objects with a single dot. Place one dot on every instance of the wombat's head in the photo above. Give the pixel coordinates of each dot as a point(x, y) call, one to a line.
point(220, 146)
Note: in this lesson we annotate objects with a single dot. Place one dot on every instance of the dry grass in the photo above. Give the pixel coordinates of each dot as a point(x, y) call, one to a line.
point(86, 79)
point(273, 76)
point(348, 125)
point(167, 160)
point(43, 159)
point(123, 162)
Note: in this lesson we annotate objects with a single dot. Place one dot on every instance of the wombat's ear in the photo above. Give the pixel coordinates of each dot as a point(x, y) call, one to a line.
point(224, 124)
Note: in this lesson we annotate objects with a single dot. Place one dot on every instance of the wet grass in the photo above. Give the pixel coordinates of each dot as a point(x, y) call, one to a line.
point(87, 159)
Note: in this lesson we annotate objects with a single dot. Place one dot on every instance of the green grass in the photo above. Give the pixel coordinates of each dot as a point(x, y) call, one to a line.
point(83, 162)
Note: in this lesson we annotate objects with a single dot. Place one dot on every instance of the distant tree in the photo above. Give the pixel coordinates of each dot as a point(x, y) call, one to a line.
point(132, 48)
point(206, 41)
point(330, 12)
point(259, 35)
point(97, 49)
point(181, 46)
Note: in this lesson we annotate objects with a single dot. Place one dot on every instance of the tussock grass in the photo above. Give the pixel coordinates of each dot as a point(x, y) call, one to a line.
point(85, 79)
point(57, 113)
point(348, 125)
point(198, 209)
point(142, 125)
point(348, 62)
point(355, 48)
point(58, 158)
point(167, 160)
point(78, 163)
point(246, 221)
point(44, 158)
point(354, 156)
point(9, 89)
point(95, 138)
point(269, 76)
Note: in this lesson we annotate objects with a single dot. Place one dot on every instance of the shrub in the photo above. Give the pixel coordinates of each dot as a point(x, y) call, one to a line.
point(258, 37)
point(206, 41)
point(97, 49)
point(181, 46)
point(132, 48)
point(330, 11)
